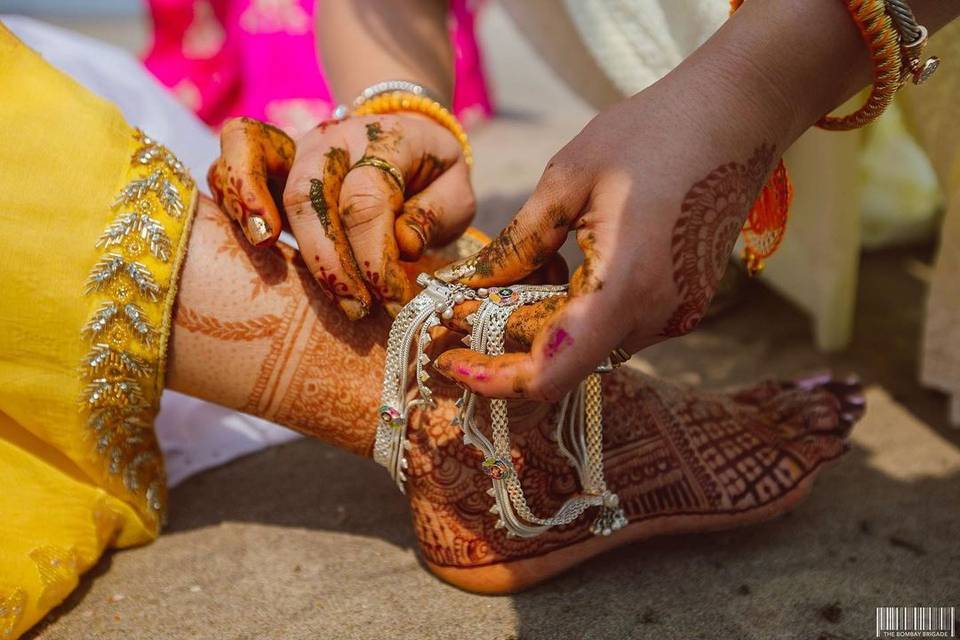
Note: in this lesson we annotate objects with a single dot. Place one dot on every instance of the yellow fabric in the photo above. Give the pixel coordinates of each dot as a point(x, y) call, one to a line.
point(66, 491)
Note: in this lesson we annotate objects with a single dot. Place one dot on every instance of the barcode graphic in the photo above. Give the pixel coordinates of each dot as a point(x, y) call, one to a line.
point(916, 622)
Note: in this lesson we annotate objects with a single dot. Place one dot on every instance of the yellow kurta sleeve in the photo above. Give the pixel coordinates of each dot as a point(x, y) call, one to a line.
point(94, 219)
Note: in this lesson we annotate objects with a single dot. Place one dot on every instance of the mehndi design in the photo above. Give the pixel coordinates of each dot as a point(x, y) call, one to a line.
point(579, 427)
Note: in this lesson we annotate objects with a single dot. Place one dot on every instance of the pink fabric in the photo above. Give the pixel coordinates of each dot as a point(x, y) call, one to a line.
point(257, 58)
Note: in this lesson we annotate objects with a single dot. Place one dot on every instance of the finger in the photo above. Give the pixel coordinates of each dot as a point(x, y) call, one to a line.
point(311, 201)
point(522, 326)
point(555, 271)
point(529, 241)
point(372, 195)
point(438, 214)
point(572, 345)
point(247, 179)
point(369, 199)
point(524, 323)
point(575, 338)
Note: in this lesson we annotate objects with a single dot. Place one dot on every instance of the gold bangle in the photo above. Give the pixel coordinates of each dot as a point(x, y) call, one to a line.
point(402, 101)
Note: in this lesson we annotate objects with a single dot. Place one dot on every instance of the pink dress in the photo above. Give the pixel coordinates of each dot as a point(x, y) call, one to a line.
point(257, 58)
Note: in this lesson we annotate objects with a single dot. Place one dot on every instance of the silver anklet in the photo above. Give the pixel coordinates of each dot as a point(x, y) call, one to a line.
point(579, 429)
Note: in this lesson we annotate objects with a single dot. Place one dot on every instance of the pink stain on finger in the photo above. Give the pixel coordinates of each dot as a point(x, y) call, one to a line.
point(467, 372)
point(558, 341)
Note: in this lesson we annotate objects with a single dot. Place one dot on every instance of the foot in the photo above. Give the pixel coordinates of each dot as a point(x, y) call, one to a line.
point(680, 460)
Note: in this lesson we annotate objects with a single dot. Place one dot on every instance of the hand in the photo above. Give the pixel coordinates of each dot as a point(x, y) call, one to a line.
point(656, 190)
point(353, 224)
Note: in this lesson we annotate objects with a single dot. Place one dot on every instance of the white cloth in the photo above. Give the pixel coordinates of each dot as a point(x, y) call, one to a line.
point(637, 42)
point(194, 435)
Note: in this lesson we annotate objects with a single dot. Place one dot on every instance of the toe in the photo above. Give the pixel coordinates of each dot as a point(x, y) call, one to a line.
point(849, 394)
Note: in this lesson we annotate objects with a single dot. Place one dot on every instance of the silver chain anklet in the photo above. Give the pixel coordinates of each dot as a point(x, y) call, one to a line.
point(579, 431)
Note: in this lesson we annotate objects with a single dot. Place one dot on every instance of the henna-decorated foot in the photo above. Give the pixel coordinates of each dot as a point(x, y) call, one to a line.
point(253, 332)
point(681, 461)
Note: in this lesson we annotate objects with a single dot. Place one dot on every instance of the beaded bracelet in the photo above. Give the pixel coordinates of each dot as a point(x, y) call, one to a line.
point(395, 101)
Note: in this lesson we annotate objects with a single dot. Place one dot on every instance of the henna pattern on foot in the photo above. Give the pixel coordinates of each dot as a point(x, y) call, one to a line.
point(668, 452)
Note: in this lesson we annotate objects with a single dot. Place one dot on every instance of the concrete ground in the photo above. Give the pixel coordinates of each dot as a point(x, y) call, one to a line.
point(304, 541)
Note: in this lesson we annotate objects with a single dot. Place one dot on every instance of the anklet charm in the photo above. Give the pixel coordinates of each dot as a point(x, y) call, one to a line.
point(579, 431)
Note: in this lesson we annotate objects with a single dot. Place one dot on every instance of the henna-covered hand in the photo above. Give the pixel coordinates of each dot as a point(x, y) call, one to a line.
point(354, 224)
point(656, 190)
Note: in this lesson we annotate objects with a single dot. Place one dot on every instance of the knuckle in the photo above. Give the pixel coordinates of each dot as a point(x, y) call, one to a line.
point(558, 169)
point(296, 197)
point(469, 202)
point(360, 209)
point(236, 126)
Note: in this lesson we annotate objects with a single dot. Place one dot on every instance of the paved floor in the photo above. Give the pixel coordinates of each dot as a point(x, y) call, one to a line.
point(303, 541)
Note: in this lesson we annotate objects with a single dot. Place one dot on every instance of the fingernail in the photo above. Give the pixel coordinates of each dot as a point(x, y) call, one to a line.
point(417, 229)
point(353, 308)
point(441, 367)
point(455, 271)
point(257, 229)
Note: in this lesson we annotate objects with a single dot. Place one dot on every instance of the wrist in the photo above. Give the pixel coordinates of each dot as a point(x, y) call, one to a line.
point(799, 59)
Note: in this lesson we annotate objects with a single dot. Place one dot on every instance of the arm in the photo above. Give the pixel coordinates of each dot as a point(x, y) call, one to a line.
point(363, 42)
point(657, 188)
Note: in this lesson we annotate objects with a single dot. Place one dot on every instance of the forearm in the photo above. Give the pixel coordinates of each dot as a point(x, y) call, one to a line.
point(363, 42)
point(793, 61)
point(253, 332)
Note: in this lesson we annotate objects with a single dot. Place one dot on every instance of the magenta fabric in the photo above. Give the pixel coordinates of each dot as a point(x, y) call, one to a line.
point(257, 58)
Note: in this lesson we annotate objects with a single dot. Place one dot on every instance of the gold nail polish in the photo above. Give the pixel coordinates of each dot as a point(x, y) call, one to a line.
point(455, 271)
point(257, 229)
point(352, 308)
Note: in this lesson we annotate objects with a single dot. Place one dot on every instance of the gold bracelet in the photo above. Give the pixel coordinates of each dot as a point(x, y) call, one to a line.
point(402, 101)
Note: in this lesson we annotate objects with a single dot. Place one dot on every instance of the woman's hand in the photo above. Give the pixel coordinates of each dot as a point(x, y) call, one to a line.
point(353, 223)
point(656, 190)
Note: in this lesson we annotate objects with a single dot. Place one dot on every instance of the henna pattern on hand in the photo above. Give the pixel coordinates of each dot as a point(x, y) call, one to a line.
point(381, 140)
point(428, 169)
point(712, 214)
point(325, 192)
point(374, 131)
point(319, 204)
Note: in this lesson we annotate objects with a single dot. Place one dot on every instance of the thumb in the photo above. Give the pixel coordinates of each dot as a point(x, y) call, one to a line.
point(531, 239)
point(574, 339)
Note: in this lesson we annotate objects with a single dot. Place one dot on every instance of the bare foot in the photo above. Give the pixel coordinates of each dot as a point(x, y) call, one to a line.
point(254, 332)
point(680, 460)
